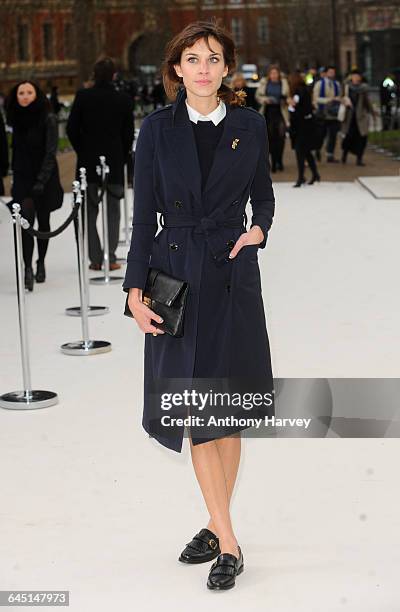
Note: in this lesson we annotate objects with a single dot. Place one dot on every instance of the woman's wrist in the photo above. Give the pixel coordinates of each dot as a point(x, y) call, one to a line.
point(258, 232)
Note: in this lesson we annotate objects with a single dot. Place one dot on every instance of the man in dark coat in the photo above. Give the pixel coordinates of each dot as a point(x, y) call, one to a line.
point(101, 122)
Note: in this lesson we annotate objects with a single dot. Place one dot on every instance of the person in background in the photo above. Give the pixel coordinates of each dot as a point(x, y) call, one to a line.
point(101, 122)
point(3, 154)
point(302, 127)
point(271, 93)
point(36, 182)
point(326, 99)
point(238, 83)
point(319, 117)
point(158, 93)
point(311, 77)
point(356, 123)
point(56, 105)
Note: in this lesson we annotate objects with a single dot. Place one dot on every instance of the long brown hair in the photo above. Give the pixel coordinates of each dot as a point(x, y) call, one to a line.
point(274, 67)
point(186, 38)
point(296, 80)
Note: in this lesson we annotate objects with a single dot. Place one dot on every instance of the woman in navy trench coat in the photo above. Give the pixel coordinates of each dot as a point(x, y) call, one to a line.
point(204, 241)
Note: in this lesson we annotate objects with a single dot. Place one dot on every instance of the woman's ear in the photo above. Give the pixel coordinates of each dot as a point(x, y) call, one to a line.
point(178, 70)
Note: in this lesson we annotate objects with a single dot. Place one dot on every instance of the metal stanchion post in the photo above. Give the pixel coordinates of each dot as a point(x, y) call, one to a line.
point(126, 240)
point(75, 311)
point(84, 346)
point(27, 399)
point(103, 169)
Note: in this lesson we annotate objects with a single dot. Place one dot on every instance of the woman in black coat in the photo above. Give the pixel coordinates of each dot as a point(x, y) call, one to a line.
point(36, 183)
point(198, 160)
point(3, 154)
point(303, 132)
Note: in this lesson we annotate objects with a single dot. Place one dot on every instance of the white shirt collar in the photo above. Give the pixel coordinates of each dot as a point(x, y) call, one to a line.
point(215, 116)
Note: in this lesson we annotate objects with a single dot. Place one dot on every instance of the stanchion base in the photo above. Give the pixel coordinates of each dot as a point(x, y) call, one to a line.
point(75, 311)
point(80, 347)
point(21, 400)
point(100, 280)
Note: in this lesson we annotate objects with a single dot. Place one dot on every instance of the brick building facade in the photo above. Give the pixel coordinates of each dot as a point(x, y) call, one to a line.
point(51, 40)
point(369, 37)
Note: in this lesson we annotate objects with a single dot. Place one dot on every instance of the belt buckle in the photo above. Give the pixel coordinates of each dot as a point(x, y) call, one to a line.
point(212, 543)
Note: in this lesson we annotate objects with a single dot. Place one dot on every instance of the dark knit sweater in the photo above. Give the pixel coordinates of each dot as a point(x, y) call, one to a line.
point(207, 136)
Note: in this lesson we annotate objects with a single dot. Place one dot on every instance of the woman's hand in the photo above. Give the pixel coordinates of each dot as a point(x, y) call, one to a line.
point(142, 313)
point(255, 235)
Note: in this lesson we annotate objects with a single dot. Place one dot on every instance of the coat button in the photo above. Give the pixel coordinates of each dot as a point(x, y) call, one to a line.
point(173, 246)
point(228, 288)
point(178, 204)
point(230, 244)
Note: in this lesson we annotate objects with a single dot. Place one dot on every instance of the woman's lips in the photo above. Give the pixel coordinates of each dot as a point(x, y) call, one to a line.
point(203, 82)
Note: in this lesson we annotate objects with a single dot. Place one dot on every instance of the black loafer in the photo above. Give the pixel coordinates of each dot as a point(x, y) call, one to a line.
point(203, 547)
point(224, 570)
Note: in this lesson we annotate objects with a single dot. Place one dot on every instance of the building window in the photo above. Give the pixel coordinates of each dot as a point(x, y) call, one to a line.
point(262, 29)
point(22, 42)
point(237, 30)
point(48, 41)
point(68, 41)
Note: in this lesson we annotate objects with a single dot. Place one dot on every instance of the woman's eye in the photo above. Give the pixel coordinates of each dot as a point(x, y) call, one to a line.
point(212, 58)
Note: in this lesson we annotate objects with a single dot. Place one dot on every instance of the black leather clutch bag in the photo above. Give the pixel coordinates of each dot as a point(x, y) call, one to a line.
point(166, 296)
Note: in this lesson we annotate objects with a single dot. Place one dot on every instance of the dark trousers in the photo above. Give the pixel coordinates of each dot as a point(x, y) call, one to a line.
point(301, 156)
point(113, 216)
point(276, 129)
point(30, 211)
point(332, 126)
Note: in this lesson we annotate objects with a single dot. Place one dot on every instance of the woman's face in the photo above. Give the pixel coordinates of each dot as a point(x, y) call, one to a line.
point(239, 82)
point(26, 94)
point(356, 79)
point(202, 70)
point(274, 75)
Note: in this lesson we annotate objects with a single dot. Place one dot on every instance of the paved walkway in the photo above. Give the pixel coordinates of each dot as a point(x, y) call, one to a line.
point(377, 164)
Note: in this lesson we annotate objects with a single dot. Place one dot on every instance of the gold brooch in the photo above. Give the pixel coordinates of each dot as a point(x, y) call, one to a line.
point(235, 143)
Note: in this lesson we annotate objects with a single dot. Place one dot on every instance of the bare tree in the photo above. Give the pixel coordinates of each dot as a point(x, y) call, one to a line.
point(302, 33)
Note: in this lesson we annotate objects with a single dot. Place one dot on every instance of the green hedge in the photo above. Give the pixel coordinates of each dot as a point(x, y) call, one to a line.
point(389, 139)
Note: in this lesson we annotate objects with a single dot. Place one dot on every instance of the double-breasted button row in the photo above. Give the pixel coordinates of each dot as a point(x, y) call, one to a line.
point(173, 246)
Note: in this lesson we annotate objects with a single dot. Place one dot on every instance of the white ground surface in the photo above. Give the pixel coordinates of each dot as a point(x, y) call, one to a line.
point(89, 504)
point(382, 186)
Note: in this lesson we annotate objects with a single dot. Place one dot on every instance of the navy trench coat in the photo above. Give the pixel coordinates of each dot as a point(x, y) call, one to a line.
point(225, 336)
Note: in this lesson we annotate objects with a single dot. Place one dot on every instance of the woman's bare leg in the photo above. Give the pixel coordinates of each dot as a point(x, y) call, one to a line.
point(209, 468)
point(229, 450)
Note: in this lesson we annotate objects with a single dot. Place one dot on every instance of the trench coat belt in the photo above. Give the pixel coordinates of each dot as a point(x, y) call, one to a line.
point(201, 224)
point(208, 226)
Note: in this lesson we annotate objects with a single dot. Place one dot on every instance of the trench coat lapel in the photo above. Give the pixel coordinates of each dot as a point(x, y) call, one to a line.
point(182, 145)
